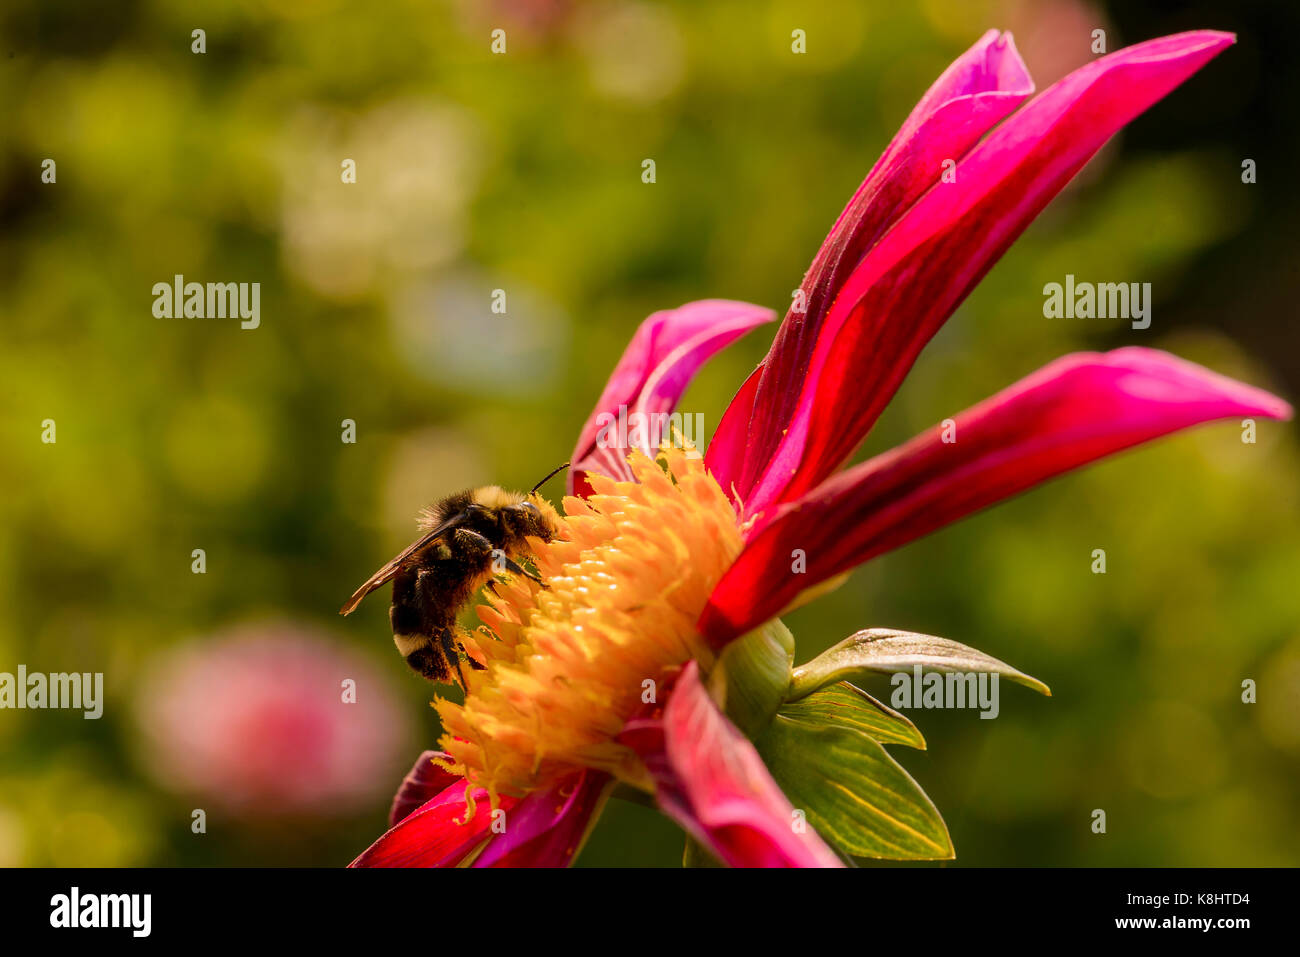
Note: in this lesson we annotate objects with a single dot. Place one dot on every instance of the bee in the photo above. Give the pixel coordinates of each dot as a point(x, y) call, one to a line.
point(468, 539)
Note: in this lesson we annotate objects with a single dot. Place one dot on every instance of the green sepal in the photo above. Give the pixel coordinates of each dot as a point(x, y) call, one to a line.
point(753, 676)
point(848, 706)
point(858, 798)
point(886, 651)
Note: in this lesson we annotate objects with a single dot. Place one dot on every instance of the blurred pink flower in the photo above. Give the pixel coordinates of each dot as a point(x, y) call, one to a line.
point(1057, 37)
point(255, 721)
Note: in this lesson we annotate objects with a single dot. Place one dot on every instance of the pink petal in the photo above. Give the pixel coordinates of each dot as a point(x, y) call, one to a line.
point(981, 87)
point(1071, 412)
point(712, 782)
point(729, 448)
point(548, 828)
point(434, 836)
point(917, 274)
point(660, 361)
point(424, 782)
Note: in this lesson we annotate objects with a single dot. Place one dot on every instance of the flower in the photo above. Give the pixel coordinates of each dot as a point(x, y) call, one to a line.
point(260, 721)
point(654, 658)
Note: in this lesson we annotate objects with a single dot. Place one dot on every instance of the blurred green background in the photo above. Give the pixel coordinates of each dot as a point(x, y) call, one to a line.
point(522, 172)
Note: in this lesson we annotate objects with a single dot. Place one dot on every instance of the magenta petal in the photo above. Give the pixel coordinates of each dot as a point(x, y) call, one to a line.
point(712, 782)
point(1071, 412)
point(665, 353)
point(981, 87)
point(913, 279)
point(729, 448)
point(548, 828)
point(434, 835)
point(424, 782)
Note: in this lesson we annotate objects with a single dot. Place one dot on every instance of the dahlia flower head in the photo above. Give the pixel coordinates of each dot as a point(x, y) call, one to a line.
point(653, 662)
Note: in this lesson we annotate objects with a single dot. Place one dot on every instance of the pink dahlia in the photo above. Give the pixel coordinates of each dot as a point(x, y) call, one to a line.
point(654, 660)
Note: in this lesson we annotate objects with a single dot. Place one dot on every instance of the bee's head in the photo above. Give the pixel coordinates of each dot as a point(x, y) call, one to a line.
point(533, 516)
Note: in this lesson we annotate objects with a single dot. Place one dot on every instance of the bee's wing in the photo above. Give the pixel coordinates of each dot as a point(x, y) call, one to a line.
point(389, 570)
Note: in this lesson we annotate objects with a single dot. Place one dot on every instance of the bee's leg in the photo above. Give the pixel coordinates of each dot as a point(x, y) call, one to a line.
point(484, 546)
point(516, 569)
point(461, 637)
point(448, 643)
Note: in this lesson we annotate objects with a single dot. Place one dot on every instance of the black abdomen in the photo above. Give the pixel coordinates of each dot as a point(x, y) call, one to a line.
point(427, 594)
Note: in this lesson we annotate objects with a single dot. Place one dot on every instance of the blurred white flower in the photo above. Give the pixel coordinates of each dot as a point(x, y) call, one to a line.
point(417, 167)
point(448, 333)
point(634, 51)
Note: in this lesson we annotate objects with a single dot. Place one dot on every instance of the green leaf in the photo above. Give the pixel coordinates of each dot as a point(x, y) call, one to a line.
point(857, 797)
point(847, 706)
point(886, 651)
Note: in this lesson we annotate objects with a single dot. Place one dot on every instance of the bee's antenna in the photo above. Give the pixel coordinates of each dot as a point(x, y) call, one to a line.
point(550, 475)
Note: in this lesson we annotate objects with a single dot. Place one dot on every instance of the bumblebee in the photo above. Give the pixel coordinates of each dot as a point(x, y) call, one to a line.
point(468, 538)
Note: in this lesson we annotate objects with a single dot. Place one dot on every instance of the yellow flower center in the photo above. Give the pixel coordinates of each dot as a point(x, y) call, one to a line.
point(567, 665)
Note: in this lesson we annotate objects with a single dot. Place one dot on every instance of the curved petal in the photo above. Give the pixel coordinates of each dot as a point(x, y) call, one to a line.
point(665, 353)
point(979, 89)
point(422, 783)
point(435, 835)
point(1075, 410)
point(916, 275)
point(710, 780)
point(547, 829)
